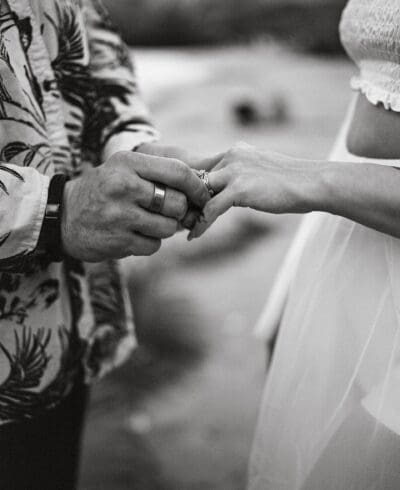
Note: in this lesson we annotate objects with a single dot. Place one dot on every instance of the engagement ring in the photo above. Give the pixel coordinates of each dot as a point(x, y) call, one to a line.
point(204, 176)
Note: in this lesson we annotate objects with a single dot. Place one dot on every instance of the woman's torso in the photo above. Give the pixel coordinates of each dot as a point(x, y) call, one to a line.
point(339, 341)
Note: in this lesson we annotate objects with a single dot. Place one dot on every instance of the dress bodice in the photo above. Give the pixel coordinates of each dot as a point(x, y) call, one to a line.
point(370, 33)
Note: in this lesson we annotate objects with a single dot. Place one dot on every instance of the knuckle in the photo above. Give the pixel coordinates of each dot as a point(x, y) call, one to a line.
point(114, 184)
point(117, 160)
point(238, 188)
point(237, 154)
point(123, 156)
point(121, 183)
point(133, 184)
point(112, 214)
point(232, 155)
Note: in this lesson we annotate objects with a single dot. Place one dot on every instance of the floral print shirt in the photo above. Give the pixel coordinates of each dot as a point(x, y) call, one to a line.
point(68, 100)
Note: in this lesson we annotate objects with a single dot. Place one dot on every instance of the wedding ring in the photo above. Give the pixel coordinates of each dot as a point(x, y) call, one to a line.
point(157, 203)
point(204, 176)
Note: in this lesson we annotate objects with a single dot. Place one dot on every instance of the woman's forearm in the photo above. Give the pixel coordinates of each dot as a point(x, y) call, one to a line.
point(275, 183)
point(366, 193)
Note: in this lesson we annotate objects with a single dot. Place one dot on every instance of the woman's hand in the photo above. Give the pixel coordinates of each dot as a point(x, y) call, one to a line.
point(194, 161)
point(262, 180)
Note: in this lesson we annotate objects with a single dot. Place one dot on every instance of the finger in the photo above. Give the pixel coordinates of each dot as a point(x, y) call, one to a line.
point(219, 179)
point(173, 173)
point(143, 246)
point(153, 225)
point(207, 163)
point(217, 206)
point(191, 218)
point(168, 151)
point(232, 154)
point(175, 203)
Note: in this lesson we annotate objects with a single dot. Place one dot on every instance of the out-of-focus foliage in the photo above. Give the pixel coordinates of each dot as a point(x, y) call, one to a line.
point(311, 24)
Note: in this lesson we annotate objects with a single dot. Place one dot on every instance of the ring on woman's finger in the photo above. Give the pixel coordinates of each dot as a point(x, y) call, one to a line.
point(158, 200)
point(203, 174)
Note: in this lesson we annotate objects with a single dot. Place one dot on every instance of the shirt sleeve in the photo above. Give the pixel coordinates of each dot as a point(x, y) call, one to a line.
point(23, 198)
point(119, 119)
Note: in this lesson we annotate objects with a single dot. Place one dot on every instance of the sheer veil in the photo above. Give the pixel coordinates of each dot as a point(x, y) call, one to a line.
point(330, 415)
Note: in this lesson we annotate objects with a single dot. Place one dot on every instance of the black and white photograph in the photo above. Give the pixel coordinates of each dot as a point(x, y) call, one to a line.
point(199, 245)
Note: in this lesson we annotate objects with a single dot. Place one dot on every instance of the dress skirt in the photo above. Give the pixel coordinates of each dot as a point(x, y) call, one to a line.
point(338, 348)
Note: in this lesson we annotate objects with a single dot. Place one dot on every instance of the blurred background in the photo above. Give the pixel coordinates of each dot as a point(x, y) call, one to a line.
point(181, 414)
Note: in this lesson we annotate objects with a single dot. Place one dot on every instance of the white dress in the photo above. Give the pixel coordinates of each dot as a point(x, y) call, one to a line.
point(338, 349)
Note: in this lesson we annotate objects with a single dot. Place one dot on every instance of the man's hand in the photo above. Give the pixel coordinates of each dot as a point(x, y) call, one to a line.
point(105, 212)
point(193, 161)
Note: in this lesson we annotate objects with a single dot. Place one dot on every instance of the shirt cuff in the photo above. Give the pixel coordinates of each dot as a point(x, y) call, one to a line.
point(26, 213)
point(128, 140)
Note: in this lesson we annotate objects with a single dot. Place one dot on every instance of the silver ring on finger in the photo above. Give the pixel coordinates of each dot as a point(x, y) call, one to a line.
point(158, 200)
point(204, 176)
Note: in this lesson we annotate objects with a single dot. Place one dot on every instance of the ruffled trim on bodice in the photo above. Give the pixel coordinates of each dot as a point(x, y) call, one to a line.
point(376, 95)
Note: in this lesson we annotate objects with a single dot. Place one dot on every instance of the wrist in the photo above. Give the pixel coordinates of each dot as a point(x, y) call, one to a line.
point(329, 186)
point(304, 187)
point(315, 193)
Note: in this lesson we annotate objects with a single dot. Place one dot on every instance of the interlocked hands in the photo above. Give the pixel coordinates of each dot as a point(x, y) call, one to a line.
point(107, 213)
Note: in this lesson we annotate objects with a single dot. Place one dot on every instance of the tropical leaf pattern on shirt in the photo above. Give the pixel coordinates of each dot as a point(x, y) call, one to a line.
point(25, 153)
point(27, 365)
point(3, 187)
point(66, 86)
point(18, 398)
point(71, 72)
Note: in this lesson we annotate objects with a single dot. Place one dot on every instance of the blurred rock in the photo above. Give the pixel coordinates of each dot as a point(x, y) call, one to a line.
point(140, 423)
point(253, 110)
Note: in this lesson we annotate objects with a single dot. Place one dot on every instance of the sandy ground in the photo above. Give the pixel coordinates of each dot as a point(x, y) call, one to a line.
point(181, 414)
